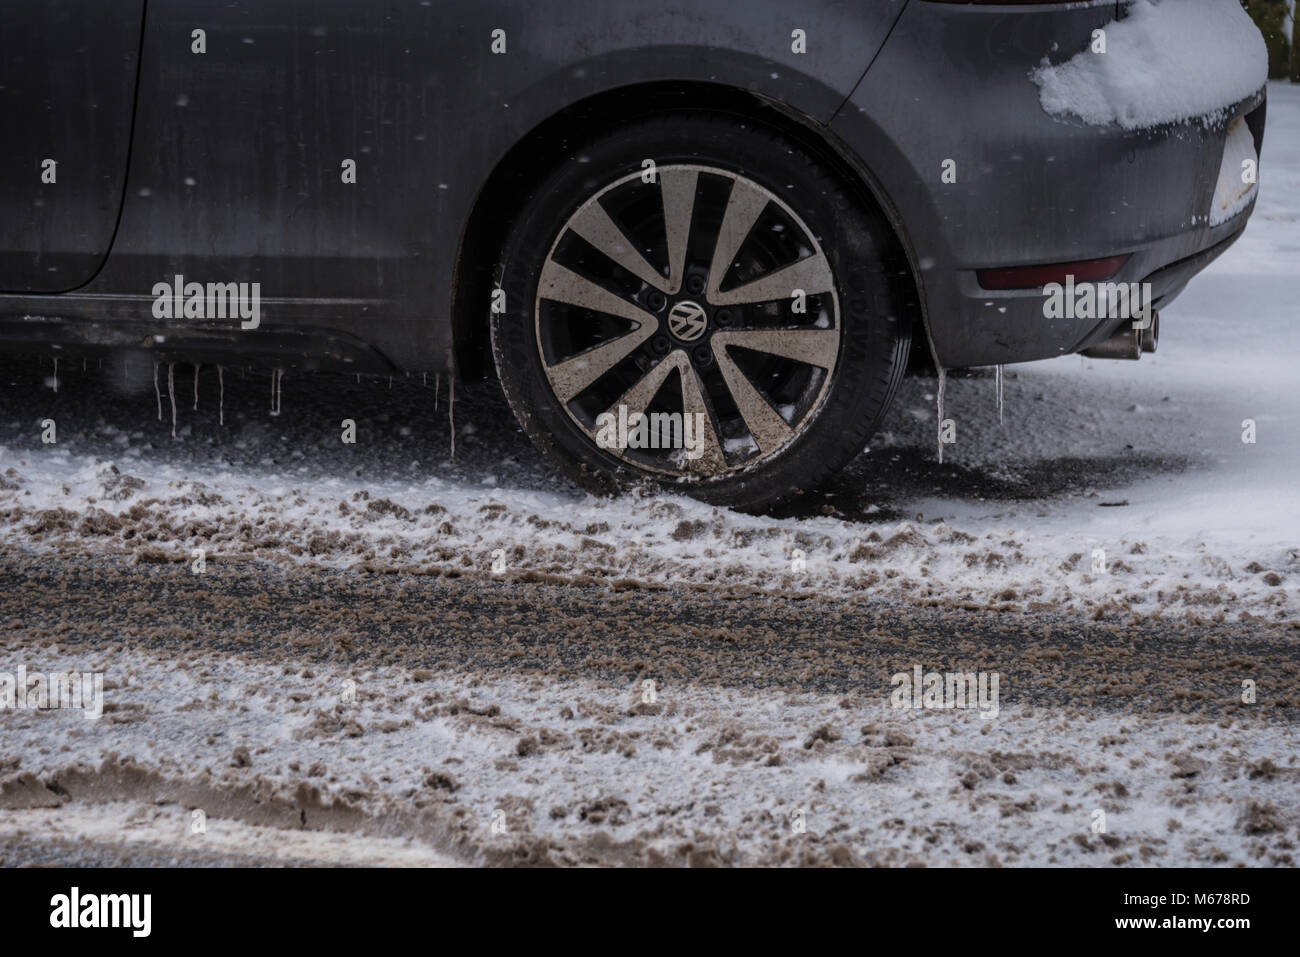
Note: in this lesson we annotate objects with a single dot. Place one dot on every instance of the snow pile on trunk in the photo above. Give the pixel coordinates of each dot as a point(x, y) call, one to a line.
point(1164, 63)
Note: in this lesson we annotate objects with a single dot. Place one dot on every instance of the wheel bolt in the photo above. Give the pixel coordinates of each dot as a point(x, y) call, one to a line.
point(656, 300)
point(702, 355)
point(661, 345)
point(723, 317)
point(695, 284)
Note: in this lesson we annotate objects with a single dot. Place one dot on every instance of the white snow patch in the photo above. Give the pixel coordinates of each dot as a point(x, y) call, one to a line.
point(1164, 63)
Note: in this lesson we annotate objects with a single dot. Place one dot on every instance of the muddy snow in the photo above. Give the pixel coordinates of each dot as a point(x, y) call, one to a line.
point(333, 764)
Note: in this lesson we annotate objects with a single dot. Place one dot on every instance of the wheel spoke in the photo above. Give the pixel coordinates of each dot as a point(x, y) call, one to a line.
point(744, 206)
point(574, 375)
point(564, 285)
point(818, 347)
point(712, 460)
point(812, 275)
point(677, 187)
point(765, 424)
point(639, 396)
point(593, 224)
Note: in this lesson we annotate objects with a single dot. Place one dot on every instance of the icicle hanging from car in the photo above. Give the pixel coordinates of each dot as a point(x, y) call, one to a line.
point(171, 393)
point(939, 405)
point(276, 376)
point(997, 374)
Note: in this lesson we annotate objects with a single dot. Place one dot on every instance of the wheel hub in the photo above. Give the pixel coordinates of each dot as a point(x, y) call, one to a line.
point(687, 321)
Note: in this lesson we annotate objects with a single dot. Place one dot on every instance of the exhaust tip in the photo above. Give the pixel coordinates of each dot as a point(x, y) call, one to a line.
point(1128, 343)
point(1125, 344)
point(1150, 336)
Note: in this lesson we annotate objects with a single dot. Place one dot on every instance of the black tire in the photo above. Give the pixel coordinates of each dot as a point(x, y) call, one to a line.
point(867, 300)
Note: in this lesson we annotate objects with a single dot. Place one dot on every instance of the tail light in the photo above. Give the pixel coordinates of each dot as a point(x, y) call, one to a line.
point(1029, 277)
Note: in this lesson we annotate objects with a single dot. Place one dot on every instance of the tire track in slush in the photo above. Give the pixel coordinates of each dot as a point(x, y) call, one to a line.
point(489, 697)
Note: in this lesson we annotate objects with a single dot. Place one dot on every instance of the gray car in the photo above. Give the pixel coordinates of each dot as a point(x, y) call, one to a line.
point(699, 243)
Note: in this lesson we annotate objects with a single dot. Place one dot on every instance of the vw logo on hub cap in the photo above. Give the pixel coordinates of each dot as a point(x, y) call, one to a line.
point(686, 321)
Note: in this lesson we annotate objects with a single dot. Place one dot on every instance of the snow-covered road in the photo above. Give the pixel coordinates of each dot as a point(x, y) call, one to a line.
point(1119, 494)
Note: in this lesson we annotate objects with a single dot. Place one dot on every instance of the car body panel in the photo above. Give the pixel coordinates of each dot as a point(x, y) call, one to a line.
point(236, 174)
point(235, 170)
point(67, 84)
point(1030, 188)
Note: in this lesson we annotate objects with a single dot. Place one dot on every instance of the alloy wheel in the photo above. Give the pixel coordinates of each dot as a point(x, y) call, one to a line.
point(692, 290)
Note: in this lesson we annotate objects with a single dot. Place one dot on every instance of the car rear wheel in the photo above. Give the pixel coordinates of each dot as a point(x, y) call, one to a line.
point(698, 303)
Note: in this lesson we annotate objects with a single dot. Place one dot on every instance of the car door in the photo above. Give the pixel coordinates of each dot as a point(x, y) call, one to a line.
point(288, 144)
point(277, 143)
point(67, 86)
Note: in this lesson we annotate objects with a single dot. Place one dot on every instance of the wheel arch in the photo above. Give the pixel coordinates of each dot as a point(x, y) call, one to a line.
point(554, 140)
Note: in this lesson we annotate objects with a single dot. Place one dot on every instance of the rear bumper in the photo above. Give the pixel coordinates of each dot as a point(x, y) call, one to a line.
point(952, 82)
point(1166, 281)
